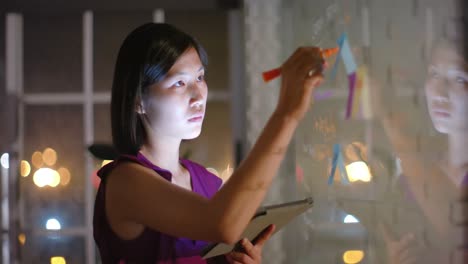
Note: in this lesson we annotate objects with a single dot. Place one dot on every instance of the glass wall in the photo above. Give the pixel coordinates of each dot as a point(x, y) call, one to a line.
point(383, 150)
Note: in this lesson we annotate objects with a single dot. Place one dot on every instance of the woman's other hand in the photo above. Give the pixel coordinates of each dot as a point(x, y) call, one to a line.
point(251, 254)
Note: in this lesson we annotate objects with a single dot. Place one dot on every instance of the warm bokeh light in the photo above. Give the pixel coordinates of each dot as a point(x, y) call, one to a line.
point(105, 162)
point(353, 256)
point(64, 176)
point(36, 159)
point(22, 239)
point(57, 260)
point(212, 170)
point(49, 156)
point(356, 151)
point(5, 160)
point(25, 168)
point(226, 174)
point(55, 180)
point(95, 180)
point(358, 171)
point(46, 176)
point(53, 224)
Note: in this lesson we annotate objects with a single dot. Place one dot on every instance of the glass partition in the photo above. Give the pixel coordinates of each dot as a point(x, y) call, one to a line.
point(383, 150)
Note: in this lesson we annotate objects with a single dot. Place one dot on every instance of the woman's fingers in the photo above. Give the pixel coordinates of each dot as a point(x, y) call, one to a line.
point(264, 236)
point(239, 257)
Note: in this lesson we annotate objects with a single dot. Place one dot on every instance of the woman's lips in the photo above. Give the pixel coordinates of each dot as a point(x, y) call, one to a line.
point(196, 118)
point(441, 113)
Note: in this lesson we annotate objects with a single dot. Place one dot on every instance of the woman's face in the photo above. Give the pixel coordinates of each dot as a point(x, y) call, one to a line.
point(175, 106)
point(447, 91)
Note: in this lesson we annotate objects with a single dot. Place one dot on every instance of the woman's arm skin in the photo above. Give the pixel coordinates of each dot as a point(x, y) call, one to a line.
point(137, 195)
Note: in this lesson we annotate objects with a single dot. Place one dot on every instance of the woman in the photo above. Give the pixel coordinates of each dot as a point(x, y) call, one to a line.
point(152, 206)
point(435, 185)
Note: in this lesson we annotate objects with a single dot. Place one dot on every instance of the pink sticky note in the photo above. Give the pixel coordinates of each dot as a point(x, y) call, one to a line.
point(299, 174)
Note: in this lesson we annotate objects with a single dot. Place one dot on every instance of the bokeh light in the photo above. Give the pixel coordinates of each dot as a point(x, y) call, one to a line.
point(4, 160)
point(105, 162)
point(46, 176)
point(214, 171)
point(49, 156)
point(25, 168)
point(57, 260)
point(350, 219)
point(353, 256)
point(226, 174)
point(95, 180)
point(356, 151)
point(64, 176)
point(53, 224)
point(55, 179)
point(22, 239)
point(36, 159)
point(358, 171)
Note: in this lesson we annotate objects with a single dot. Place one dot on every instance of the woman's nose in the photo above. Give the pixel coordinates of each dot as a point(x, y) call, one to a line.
point(440, 89)
point(197, 91)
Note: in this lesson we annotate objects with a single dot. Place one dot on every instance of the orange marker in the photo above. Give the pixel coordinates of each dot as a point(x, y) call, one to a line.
point(272, 74)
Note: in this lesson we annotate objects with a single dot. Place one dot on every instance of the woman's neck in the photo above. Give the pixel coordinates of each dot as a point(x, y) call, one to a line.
point(458, 149)
point(164, 153)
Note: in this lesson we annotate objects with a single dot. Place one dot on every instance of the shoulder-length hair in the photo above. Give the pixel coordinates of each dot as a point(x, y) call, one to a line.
point(145, 57)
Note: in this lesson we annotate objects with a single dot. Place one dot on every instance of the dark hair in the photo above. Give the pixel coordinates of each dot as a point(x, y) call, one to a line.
point(453, 35)
point(145, 57)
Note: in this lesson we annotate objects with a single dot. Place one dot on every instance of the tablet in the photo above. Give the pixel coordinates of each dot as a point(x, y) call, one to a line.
point(278, 214)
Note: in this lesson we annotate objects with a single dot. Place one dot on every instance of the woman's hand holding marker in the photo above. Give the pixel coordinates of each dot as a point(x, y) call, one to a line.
point(274, 73)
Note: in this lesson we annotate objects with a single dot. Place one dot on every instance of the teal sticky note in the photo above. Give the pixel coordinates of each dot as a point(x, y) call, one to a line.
point(336, 154)
point(347, 55)
point(343, 172)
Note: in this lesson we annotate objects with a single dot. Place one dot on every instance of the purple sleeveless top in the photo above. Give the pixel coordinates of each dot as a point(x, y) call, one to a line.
point(150, 246)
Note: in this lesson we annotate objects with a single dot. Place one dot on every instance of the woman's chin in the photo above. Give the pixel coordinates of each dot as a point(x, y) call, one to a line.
point(192, 135)
point(441, 128)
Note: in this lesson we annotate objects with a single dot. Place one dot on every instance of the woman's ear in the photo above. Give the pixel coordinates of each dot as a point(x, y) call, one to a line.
point(139, 108)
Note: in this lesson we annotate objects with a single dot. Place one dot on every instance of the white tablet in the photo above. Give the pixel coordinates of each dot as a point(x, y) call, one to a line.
point(279, 215)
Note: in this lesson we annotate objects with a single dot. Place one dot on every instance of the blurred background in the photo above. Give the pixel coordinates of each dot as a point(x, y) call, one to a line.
point(56, 65)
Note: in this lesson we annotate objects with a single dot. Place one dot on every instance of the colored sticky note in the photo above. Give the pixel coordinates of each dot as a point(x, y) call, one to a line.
point(336, 152)
point(365, 93)
point(322, 95)
point(299, 174)
point(347, 55)
point(343, 172)
point(338, 162)
point(357, 96)
point(351, 86)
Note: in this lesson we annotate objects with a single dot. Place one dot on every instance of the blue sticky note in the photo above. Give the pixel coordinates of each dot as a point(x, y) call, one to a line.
point(335, 160)
point(343, 173)
point(338, 162)
point(336, 154)
point(347, 55)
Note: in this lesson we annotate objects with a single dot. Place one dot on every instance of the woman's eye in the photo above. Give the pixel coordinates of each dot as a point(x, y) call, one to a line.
point(460, 80)
point(179, 84)
point(433, 73)
point(201, 78)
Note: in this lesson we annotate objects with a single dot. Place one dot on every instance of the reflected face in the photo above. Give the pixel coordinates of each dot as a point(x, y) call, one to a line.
point(447, 91)
point(175, 106)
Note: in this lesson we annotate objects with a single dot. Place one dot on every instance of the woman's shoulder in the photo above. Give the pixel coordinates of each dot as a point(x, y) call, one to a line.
point(202, 172)
point(123, 163)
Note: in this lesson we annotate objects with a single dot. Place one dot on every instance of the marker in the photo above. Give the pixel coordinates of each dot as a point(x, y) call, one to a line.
point(273, 73)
